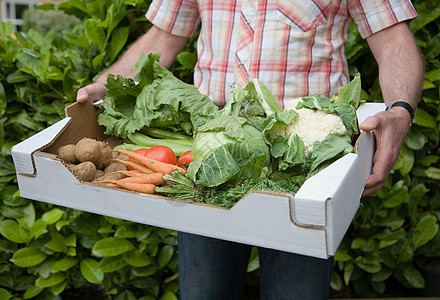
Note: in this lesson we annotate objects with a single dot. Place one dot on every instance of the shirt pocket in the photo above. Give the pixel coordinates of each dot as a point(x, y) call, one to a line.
point(303, 14)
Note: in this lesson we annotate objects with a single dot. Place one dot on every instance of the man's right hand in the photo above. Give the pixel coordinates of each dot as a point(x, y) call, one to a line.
point(94, 92)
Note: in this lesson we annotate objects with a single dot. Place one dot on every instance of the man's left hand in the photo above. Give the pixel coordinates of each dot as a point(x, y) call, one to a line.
point(390, 129)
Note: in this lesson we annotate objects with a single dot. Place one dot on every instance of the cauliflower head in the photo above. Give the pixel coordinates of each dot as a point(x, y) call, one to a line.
point(310, 125)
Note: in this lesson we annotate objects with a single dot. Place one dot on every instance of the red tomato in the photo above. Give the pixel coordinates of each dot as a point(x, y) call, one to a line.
point(141, 151)
point(185, 159)
point(162, 153)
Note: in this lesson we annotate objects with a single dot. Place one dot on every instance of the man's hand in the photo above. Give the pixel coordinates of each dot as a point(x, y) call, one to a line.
point(93, 92)
point(390, 129)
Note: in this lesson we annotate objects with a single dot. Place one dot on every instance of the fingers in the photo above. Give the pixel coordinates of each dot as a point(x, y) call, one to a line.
point(93, 92)
point(389, 137)
point(369, 124)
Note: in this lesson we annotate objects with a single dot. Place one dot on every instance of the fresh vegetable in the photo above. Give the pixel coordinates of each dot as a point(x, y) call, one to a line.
point(228, 146)
point(185, 159)
point(141, 151)
point(112, 170)
point(178, 145)
point(67, 153)
point(154, 178)
point(157, 100)
point(134, 165)
point(97, 152)
point(313, 131)
point(85, 171)
point(154, 165)
point(145, 188)
point(166, 134)
point(162, 153)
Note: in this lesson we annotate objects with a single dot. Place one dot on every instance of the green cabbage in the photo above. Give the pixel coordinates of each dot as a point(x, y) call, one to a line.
point(227, 148)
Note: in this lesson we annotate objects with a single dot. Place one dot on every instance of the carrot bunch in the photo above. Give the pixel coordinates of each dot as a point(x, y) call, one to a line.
point(147, 175)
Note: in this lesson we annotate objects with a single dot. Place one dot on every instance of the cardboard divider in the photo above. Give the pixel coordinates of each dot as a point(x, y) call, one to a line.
point(84, 124)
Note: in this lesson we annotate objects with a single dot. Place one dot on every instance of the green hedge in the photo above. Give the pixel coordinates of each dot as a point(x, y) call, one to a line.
point(50, 252)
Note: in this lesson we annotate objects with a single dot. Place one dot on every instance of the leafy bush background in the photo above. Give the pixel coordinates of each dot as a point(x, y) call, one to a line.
point(48, 251)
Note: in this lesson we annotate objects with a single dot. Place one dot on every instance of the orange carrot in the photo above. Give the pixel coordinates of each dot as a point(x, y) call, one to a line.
point(155, 165)
point(145, 188)
point(133, 173)
point(112, 185)
point(156, 179)
point(136, 166)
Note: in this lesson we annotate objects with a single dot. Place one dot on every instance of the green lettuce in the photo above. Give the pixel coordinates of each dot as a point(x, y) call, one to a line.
point(157, 100)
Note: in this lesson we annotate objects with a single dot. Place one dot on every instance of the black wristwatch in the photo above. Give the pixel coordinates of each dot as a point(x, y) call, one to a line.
point(405, 105)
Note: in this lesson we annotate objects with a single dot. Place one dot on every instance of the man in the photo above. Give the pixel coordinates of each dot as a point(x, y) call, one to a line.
point(296, 48)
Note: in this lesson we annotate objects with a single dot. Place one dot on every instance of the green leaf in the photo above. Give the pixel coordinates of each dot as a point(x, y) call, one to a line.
point(2, 100)
point(384, 243)
point(95, 34)
point(368, 265)
point(187, 59)
point(126, 295)
point(433, 173)
point(136, 258)
point(397, 198)
point(11, 230)
point(168, 296)
point(165, 255)
point(38, 229)
point(28, 219)
point(90, 271)
point(357, 243)
point(336, 281)
point(32, 65)
point(424, 119)
point(28, 257)
point(64, 264)
point(52, 216)
point(428, 11)
point(425, 230)
point(406, 252)
point(118, 40)
point(254, 260)
point(32, 291)
point(97, 60)
point(382, 275)
point(59, 288)
point(416, 140)
point(405, 160)
point(143, 272)
point(348, 271)
point(4, 294)
point(52, 280)
point(414, 277)
point(111, 247)
point(57, 243)
point(129, 230)
point(111, 264)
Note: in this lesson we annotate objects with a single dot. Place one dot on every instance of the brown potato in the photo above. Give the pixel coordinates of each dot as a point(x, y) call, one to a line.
point(111, 171)
point(87, 149)
point(67, 153)
point(85, 171)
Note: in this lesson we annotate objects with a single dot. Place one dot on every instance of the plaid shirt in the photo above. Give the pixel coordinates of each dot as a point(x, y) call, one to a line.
point(296, 48)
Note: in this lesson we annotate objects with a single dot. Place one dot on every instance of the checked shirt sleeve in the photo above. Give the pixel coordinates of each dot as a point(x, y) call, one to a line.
point(372, 16)
point(178, 17)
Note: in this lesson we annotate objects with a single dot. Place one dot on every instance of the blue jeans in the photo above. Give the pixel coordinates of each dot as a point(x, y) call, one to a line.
point(212, 269)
